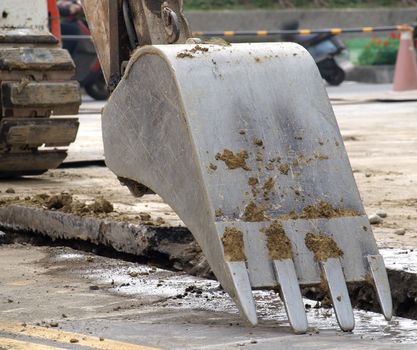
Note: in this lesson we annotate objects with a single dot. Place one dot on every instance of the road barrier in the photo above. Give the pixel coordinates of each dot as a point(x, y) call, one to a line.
point(333, 31)
point(264, 33)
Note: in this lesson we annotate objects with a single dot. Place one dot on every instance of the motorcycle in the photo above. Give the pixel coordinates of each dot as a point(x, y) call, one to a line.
point(88, 69)
point(324, 48)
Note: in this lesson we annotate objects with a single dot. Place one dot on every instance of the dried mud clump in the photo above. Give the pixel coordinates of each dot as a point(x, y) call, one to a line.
point(65, 202)
point(213, 167)
point(279, 245)
point(199, 48)
point(284, 169)
point(258, 142)
point(145, 217)
point(218, 213)
point(269, 185)
point(253, 181)
point(185, 54)
point(259, 157)
point(234, 248)
point(323, 247)
point(57, 202)
point(101, 205)
point(325, 210)
point(253, 213)
point(234, 161)
point(189, 53)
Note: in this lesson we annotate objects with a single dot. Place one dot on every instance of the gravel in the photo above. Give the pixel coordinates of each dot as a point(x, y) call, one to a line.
point(375, 219)
point(381, 214)
point(400, 232)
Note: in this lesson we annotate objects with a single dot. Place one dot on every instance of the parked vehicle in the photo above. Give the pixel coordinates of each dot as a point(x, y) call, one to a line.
point(88, 70)
point(324, 48)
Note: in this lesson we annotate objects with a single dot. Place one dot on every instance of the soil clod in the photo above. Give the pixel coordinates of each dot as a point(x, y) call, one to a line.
point(234, 249)
point(254, 213)
point(279, 245)
point(284, 169)
point(234, 161)
point(325, 210)
point(323, 247)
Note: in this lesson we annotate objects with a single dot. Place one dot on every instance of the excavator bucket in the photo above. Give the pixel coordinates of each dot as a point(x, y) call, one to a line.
point(241, 141)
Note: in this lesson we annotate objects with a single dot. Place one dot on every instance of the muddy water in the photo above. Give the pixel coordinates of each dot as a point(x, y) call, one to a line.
point(400, 259)
point(174, 290)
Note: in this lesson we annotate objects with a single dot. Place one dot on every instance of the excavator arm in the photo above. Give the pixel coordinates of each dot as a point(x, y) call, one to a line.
point(118, 27)
point(242, 142)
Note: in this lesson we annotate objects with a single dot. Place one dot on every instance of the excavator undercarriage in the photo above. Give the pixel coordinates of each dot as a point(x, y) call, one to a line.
point(36, 90)
point(242, 142)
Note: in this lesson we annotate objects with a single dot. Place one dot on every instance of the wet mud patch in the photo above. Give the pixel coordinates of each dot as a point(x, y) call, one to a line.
point(284, 169)
point(325, 210)
point(323, 247)
point(234, 248)
point(254, 213)
point(234, 161)
point(190, 53)
point(268, 185)
point(278, 244)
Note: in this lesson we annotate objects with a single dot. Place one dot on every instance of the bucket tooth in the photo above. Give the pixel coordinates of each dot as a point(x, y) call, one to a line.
point(380, 277)
point(338, 291)
point(243, 297)
point(242, 138)
point(291, 294)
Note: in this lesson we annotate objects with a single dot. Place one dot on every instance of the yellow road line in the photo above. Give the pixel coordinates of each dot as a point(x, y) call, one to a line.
point(11, 344)
point(336, 31)
point(367, 29)
point(261, 33)
point(304, 31)
point(229, 33)
point(68, 337)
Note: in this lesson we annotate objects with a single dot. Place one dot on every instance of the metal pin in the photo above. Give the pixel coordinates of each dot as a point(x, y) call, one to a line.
point(243, 290)
point(287, 279)
point(379, 274)
point(332, 269)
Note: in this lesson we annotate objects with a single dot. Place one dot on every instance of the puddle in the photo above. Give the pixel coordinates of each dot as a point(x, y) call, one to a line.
point(176, 290)
point(68, 256)
point(400, 259)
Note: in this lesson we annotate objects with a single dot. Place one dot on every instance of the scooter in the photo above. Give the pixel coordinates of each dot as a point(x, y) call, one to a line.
point(88, 70)
point(324, 48)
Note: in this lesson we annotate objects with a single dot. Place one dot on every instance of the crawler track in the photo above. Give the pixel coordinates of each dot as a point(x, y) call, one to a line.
point(35, 88)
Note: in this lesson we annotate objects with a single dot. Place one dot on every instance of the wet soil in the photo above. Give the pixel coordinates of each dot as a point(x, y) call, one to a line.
point(320, 210)
point(268, 185)
point(284, 169)
point(254, 213)
point(234, 161)
point(234, 249)
point(190, 53)
point(323, 247)
point(279, 245)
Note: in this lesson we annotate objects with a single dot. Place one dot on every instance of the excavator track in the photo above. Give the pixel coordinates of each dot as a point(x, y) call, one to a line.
point(36, 90)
